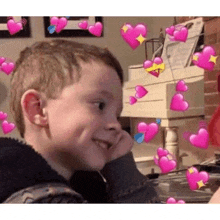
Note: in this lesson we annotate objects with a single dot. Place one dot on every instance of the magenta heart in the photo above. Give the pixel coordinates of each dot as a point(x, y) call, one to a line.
point(195, 176)
point(140, 91)
point(171, 200)
point(200, 140)
point(161, 152)
point(153, 63)
point(181, 86)
point(3, 116)
point(132, 100)
point(83, 24)
point(142, 127)
point(170, 30)
point(132, 33)
point(7, 67)
point(204, 57)
point(7, 127)
point(181, 35)
point(54, 20)
point(2, 60)
point(152, 130)
point(96, 29)
point(178, 103)
point(166, 165)
point(13, 26)
point(61, 24)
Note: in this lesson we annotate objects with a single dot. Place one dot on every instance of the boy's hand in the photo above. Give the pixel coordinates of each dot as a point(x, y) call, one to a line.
point(215, 198)
point(122, 147)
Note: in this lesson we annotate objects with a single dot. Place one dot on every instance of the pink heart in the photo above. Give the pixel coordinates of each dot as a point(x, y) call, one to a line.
point(3, 116)
point(132, 100)
point(7, 67)
point(166, 165)
point(7, 127)
point(2, 60)
point(171, 200)
point(178, 103)
point(130, 35)
point(149, 130)
point(203, 58)
point(96, 29)
point(61, 24)
point(161, 152)
point(54, 20)
point(170, 30)
point(201, 140)
point(196, 176)
point(13, 26)
point(181, 86)
point(140, 91)
point(149, 63)
point(181, 35)
point(83, 24)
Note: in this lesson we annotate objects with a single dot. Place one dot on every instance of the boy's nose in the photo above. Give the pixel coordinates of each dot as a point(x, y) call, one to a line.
point(113, 126)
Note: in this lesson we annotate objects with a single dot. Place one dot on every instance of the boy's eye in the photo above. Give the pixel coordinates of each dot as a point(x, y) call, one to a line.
point(101, 105)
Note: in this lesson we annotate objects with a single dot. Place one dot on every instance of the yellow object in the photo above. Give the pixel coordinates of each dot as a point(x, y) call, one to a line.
point(191, 170)
point(159, 68)
point(124, 28)
point(140, 38)
point(200, 184)
point(195, 57)
point(213, 59)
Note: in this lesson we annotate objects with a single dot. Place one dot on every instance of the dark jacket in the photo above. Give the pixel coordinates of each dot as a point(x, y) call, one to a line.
point(21, 167)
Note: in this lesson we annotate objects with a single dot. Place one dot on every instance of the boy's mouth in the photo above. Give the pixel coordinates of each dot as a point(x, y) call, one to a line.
point(102, 144)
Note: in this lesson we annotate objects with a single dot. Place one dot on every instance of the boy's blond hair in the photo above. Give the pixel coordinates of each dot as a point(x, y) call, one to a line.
point(48, 67)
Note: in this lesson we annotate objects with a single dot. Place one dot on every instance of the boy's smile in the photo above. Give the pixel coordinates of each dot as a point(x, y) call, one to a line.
point(83, 121)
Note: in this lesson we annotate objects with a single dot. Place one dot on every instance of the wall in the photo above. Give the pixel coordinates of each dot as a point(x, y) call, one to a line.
point(112, 39)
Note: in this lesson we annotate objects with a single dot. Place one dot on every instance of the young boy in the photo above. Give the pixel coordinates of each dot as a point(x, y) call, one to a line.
point(66, 99)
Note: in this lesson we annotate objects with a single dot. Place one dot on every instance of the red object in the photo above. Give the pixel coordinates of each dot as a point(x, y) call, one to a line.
point(214, 128)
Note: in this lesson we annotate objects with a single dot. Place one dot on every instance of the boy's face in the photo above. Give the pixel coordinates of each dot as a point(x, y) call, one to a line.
point(85, 112)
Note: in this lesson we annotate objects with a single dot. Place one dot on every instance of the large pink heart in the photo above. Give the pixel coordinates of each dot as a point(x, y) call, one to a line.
point(132, 33)
point(140, 91)
point(96, 29)
point(204, 57)
point(7, 67)
point(178, 103)
point(13, 26)
point(200, 140)
point(181, 86)
point(149, 130)
point(3, 115)
point(181, 35)
point(60, 23)
point(171, 200)
point(195, 176)
point(166, 165)
point(7, 127)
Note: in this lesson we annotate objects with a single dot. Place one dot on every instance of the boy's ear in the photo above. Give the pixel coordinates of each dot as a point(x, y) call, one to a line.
point(33, 106)
point(214, 128)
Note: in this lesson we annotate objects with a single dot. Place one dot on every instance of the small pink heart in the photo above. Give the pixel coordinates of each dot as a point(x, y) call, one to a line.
point(153, 66)
point(166, 165)
point(161, 152)
point(195, 176)
point(54, 20)
point(13, 26)
point(3, 116)
point(181, 35)
point(140, 91)
point(7, 127)
point(132, 100)
point(2, 60)
point(96, 29)
point(170, 30)
point(178, 103)
point(132, 33)
point(61, 24)
point(200, 140)
point(204, 57)
point(142, 127)
point(181, 86)
point(83, 24)
point(171, 200)
point(7, 68)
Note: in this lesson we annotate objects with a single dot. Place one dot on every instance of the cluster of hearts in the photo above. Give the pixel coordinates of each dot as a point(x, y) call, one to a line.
point(59, 23)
